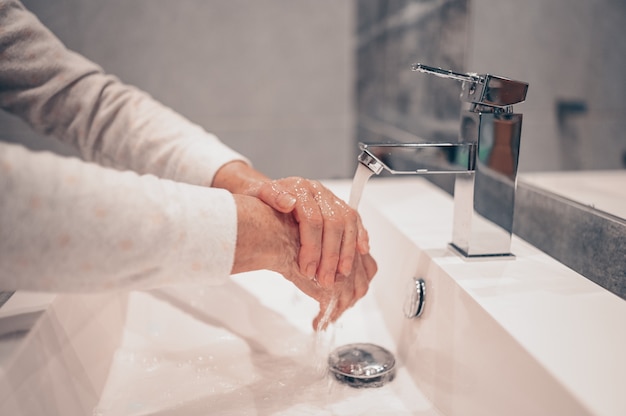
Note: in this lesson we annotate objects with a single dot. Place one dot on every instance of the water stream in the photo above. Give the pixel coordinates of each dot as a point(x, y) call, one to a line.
point(361, 176)
point(324, 332)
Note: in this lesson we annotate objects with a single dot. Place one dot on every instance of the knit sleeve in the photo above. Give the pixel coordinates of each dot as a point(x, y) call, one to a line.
point(69, 225)
point(61, 93)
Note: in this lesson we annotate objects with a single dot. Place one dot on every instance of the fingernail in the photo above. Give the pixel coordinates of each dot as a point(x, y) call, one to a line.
point(286, 200)
point(311, 269)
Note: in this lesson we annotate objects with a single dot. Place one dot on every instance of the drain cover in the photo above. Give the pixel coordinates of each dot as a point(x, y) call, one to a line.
point(362, 365)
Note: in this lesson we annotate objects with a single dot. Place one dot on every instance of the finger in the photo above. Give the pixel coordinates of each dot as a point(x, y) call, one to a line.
point(361, 280)
point(274, 195)
point(332, 234)
point(320, 324)
point(339, 310)
point(311, 226)
point(331, 248)
point(343, 296)
point(346, 292)
point(347, 297)
point(349, 243)
point(363, 240)
point(371, 268)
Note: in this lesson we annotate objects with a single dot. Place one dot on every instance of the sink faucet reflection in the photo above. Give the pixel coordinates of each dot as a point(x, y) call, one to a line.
point(484, 161)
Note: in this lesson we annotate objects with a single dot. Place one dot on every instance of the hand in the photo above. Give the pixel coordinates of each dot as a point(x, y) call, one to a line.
point(267, 239)
point(331, 233)
point(346, 291)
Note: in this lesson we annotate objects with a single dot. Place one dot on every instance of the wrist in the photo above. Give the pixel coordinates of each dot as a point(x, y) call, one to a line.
point(266, 239)
point(238, 177)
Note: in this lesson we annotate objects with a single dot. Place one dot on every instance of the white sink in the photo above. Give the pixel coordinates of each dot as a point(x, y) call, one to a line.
point(524, 336)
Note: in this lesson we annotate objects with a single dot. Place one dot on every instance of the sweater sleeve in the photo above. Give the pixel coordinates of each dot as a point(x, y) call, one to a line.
point(61, 93)
point(68, 225)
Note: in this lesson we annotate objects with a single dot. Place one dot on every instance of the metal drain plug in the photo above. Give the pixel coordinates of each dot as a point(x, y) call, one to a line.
point(362, 365)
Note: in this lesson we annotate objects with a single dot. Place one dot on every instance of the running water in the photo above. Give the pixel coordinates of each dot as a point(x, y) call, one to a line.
point(324, 336)
point(324, 333)
point(361, 176)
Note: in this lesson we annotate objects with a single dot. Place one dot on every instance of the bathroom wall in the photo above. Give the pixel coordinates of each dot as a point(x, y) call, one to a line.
point(273, 78)
point(391, 99)
point(571, 52)
point(393, 102)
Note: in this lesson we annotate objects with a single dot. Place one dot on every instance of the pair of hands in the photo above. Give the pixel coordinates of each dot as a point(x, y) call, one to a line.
point(299, 228)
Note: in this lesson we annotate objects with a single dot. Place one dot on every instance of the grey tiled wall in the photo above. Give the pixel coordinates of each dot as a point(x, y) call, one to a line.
point(393, 102)
point(571, 52)
point(391, 36)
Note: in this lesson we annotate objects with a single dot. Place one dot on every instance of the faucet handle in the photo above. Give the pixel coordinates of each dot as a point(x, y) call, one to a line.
point(489, 90)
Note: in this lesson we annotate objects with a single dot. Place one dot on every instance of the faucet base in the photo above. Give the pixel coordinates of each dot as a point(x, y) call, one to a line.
point(458, 250)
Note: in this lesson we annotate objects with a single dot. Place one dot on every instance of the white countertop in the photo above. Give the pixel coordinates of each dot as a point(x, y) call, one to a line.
point(604, 190)
point(567, 326)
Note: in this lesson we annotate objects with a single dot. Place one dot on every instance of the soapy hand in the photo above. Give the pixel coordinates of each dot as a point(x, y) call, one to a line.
point(268, 239)
point(331, 233)
point(346, 291)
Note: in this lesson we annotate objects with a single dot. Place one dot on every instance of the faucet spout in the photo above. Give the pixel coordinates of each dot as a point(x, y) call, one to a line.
point(370, 161)
point(418, 158)
point(484, 161)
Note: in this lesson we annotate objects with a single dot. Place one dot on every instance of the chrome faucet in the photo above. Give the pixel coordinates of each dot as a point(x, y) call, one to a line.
point(484, 161)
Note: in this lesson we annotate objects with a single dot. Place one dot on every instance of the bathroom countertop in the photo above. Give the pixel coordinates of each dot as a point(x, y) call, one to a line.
point(604, 190)
point(571, 327)
point(569, 324)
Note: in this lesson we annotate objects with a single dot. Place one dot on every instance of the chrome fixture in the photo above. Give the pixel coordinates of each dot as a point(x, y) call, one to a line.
point(414, 302)
point(484, 161)
point(362, 365)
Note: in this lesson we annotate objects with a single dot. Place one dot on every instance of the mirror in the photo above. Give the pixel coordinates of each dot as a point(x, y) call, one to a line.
point(573, 117)
point(571, 53)
point(601, 190)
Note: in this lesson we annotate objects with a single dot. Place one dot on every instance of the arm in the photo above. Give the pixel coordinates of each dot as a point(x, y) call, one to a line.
point(253, 247)
point(67, 225)
point(61, 93)
point(331, 233)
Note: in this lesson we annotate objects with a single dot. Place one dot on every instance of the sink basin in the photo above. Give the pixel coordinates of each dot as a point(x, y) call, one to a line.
point(523, 336)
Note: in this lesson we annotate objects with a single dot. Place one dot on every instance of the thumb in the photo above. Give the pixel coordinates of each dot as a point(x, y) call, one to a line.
point(273, 195)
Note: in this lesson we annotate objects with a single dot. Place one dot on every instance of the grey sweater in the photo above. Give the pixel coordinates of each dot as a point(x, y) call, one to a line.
point(139, 214)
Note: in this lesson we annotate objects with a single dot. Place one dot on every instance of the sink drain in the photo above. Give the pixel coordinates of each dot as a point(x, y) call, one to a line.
point(362, 365)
